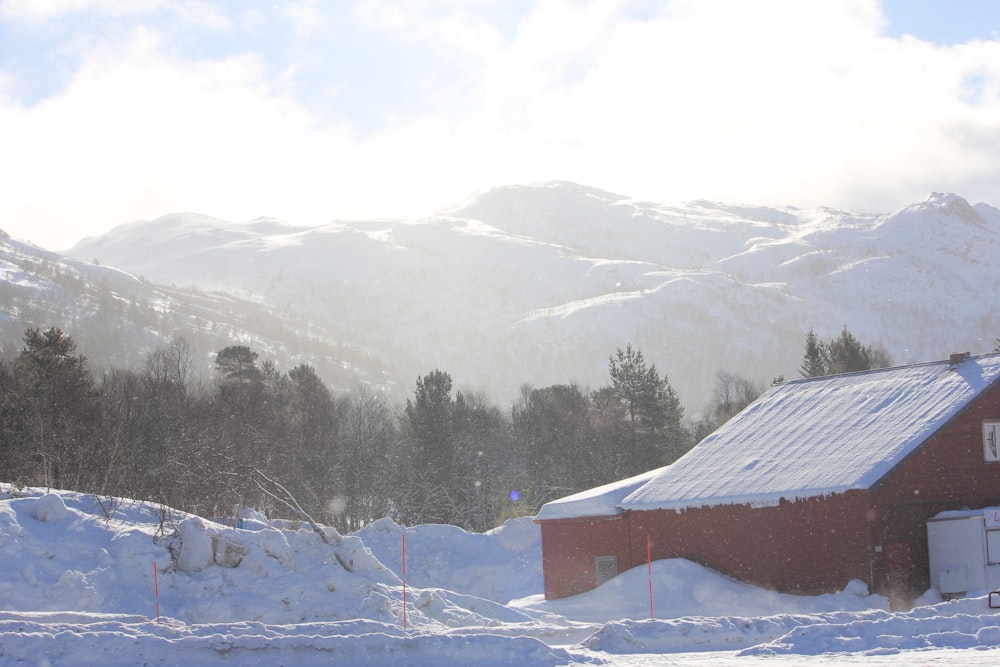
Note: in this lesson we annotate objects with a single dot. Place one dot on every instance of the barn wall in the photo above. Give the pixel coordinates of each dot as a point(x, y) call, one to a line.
point(948, 472)
point(569, 547)
point(809, 546)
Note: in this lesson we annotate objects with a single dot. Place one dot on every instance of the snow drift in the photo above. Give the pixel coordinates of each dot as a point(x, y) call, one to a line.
point(81, 572)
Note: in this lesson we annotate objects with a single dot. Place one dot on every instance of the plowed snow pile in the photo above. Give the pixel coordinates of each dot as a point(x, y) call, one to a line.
point(83, 579)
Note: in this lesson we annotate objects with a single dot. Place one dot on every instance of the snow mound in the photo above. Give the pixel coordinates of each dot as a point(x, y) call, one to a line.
point(49, 507)
point(682, 588)
point(500, 565)
point(125, 641)
point(100, 555)
point(724, 633)
point(966, 624)
point(191, 546)
point(10, 529)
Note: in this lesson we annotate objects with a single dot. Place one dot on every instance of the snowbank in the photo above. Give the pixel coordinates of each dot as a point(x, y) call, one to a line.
point(500, 565)
point(77, 587)
point(682, 588)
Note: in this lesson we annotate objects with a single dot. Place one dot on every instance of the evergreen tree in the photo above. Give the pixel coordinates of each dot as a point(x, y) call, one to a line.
point(637, 385)
point(846, 355)
point(429, 421)
point(237, 363)
point(485, 465)
point(13, 456)
point(310, 460)
point(654, 411)
point(249, 419)
point(814, 360)
point(552, 426)
point(60, 402)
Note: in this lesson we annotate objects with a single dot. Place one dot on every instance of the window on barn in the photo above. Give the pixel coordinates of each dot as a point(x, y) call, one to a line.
point(606, 568)
point(991, 440)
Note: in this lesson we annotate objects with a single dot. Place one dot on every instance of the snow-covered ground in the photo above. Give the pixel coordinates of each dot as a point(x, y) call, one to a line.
point(87, 580)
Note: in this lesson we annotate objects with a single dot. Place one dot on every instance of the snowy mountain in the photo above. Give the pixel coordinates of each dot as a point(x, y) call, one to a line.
point(539, 284)
point(117, 319)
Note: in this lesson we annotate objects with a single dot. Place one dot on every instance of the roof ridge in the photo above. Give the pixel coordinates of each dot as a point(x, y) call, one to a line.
point(886, 369)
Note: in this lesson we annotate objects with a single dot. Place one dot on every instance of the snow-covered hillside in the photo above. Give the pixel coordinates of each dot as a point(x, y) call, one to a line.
point(540, 284)
point(117, 318)
point(97, 580)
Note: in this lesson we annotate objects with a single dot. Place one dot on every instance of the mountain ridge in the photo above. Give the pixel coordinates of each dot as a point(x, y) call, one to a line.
point(540, 283)
point(117, 318)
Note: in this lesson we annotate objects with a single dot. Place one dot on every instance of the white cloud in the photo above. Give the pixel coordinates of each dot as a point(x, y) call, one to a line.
point(802, 104)
point(456, 25)
point(136, 131)
point(772, 102)
point(198, 12)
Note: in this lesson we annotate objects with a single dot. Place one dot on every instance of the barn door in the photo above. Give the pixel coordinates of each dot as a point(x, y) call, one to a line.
point(900, 571)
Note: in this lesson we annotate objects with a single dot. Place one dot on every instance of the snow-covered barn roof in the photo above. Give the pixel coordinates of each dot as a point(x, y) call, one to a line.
point(813, 437)
point(801, 439)
point(599, 501)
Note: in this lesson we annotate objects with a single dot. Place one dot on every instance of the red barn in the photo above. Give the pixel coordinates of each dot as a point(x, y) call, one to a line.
point(819, 482)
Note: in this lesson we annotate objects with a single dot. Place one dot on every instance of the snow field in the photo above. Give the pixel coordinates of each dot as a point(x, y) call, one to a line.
point(77, 588)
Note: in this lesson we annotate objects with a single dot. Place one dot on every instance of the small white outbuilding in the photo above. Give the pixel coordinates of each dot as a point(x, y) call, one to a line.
point(964, 551)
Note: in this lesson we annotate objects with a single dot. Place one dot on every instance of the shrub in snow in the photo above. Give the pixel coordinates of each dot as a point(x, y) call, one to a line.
point(50, 507)
point(190, 546)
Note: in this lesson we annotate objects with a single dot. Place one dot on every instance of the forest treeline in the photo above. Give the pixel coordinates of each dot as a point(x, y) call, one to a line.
point(282, 442)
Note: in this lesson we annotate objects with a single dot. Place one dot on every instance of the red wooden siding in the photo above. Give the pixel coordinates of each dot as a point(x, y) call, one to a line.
point(810, 546)
point(569, 547)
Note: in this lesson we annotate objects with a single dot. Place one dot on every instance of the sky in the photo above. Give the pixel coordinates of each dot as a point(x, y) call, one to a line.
point(310, 111)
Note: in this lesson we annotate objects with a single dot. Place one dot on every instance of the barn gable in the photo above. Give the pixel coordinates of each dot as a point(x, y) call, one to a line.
point(819, 436)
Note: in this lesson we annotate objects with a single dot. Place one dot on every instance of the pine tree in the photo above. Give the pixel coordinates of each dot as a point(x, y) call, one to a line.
point(653, 408)
point(237, 363)
point(636, 385)
point(429, 422)
point(553, 428)
point(846, 355)
point(814, 360)
point(62, 409)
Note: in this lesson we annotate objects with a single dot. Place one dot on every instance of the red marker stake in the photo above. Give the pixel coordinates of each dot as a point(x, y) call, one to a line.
point(404, 580)
point(649, 569)
point(156, 592)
